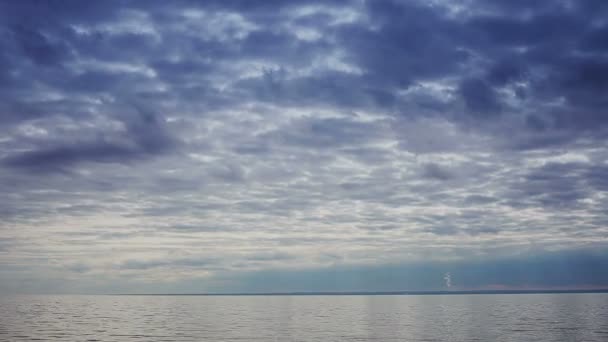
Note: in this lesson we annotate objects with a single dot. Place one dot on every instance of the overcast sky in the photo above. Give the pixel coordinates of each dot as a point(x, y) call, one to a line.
point(195, 146)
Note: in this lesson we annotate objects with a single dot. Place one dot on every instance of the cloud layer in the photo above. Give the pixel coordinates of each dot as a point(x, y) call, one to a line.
point(147, 143)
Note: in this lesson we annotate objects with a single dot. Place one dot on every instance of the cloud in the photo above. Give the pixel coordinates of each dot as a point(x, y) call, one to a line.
point(235, 137)
point(435, 171)
point(143, 136)
point(480, 97)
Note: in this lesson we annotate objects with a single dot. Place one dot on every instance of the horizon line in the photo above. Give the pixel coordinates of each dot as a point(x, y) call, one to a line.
point(371, 293)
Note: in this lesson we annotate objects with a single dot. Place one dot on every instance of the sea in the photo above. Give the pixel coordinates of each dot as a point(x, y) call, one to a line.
point(471, 317)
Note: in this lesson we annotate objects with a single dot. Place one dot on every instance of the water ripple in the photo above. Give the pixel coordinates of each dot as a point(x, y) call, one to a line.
point(509, 318)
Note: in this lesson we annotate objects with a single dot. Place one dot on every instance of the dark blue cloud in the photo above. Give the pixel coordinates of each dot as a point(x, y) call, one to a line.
point(145, 136)
point(435, 171)
point(480, 98)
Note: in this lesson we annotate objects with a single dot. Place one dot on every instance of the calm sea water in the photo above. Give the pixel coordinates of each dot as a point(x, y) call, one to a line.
point(530, 317)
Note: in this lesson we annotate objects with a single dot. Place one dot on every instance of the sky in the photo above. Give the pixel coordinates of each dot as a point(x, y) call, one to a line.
point(251, 146)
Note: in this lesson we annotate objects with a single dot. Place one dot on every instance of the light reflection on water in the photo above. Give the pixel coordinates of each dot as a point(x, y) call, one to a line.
point(538, 317)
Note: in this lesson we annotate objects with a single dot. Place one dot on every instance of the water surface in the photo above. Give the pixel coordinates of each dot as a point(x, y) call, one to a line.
point(523, 317)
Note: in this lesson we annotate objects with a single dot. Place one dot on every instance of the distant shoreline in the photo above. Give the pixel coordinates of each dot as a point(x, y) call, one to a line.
point(366, 293)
